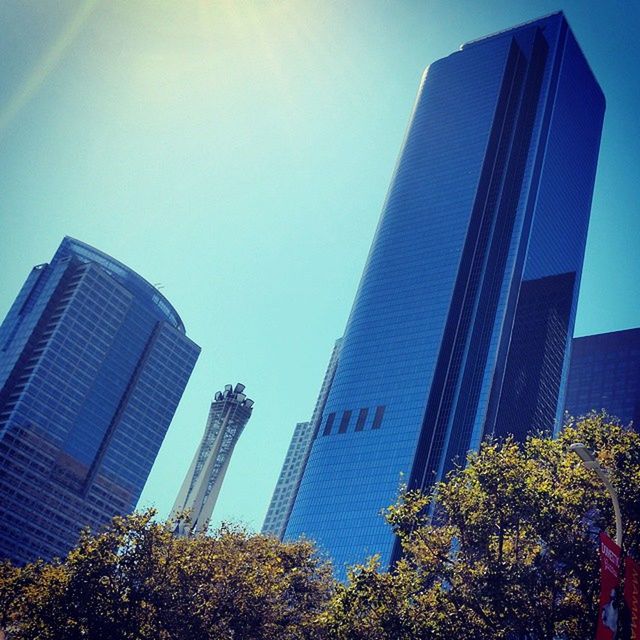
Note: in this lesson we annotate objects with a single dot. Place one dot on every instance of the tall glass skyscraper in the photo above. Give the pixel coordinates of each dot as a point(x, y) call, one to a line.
point(464, 314)
point(605, 374)
point(228, 415)
point(93, 362)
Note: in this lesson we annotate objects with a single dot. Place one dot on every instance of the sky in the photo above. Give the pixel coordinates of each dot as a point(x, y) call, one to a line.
point(237, 154)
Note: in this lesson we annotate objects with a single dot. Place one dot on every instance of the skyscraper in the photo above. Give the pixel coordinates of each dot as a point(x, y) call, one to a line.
point(93, 362)
point(290, 474)
point(605, 374)
point(286, 489)
point(229, 413)
point(463, 317)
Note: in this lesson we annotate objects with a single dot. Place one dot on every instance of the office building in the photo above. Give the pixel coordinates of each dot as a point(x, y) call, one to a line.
point(93, 362)
point(290, 474)
point(605, 374)
point(295, 461)
point(229, 413)
point(462, 321)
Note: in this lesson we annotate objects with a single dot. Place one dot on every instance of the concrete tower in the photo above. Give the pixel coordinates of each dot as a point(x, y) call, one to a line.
point(230, 411)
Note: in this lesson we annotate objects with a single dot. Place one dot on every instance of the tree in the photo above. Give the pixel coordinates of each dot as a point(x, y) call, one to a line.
point(511, 552)
point(136, 580)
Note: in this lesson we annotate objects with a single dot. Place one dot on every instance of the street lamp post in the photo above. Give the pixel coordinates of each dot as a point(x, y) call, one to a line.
point(591, 463)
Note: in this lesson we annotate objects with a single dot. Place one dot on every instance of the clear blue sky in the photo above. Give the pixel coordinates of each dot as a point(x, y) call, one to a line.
point(239, 153)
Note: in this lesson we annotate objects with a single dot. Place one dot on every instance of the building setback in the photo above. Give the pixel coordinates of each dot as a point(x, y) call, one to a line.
point(295, 461)
point(605, 374)
point(228, 415)
point(93, 362)
point(463, 317)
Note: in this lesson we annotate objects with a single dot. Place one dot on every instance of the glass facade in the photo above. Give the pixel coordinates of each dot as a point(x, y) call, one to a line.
point(93, 362)
point(286, 489)
point(228, 416)
point(474, 269)
point(605, 374)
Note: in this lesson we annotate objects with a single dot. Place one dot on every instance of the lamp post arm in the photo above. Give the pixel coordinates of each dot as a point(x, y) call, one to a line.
point(616, 506)
point(591, 463)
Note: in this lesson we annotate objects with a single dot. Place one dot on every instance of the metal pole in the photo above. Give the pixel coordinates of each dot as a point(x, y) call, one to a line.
point(591, 463)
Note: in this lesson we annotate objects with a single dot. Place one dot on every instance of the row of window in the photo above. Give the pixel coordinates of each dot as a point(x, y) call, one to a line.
point(360, 422)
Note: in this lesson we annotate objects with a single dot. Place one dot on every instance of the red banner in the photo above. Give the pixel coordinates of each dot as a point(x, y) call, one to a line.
point(632, 595)
point(609, 583)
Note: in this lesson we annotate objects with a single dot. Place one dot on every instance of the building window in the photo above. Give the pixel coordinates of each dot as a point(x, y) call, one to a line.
point(377, 419)
point(344, 423)
point(329, 423)
point(362, 418)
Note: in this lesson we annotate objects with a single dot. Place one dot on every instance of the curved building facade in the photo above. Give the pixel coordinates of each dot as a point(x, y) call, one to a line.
point(93, 362)
point(465, 311)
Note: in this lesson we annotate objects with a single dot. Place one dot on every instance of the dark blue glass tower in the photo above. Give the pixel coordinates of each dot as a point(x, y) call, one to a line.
point(463, 317)
point(605, 374)
point(93, 362)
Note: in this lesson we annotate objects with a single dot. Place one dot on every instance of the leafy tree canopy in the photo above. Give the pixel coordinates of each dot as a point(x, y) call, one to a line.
point(511, 552)
point(505, 549)
point(137, 580)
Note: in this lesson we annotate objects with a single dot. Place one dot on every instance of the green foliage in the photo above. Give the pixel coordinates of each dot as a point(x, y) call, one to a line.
point(511, 551)
point(136, 580)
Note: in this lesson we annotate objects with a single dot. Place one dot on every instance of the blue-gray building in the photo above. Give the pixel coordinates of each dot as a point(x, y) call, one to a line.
point(605, 374)
point(463, 318)
point(93, 362)
point(295, 462)
point(284, 492)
